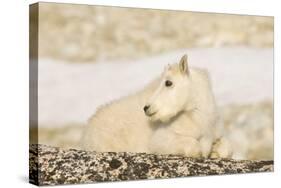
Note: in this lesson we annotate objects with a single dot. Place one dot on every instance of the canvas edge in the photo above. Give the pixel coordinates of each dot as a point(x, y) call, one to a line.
point(33, 88)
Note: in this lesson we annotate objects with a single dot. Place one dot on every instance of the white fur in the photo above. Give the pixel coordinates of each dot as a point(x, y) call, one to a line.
point(181, 119)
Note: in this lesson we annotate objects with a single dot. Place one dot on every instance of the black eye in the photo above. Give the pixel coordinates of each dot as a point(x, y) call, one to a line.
point(168, 83)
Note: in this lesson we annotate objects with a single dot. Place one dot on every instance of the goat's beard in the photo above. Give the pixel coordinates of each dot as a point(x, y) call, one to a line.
point(162, 117)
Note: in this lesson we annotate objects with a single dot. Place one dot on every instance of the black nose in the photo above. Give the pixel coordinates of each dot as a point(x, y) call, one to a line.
point(145, 108)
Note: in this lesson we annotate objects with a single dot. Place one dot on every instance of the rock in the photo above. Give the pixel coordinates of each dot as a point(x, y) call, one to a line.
point(53, 166)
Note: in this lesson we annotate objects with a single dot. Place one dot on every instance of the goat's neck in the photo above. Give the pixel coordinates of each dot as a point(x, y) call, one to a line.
point(202, 105)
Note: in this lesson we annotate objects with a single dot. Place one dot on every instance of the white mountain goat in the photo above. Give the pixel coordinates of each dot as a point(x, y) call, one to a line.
point(174, 114)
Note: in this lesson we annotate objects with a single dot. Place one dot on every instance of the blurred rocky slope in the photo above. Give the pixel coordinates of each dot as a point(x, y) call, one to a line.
point(88, 33)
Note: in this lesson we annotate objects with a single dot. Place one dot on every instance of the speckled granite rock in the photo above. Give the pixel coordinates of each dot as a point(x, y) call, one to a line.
point(57, 166)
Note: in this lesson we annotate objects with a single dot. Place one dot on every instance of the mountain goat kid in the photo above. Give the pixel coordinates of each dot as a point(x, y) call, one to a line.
point(174, 114)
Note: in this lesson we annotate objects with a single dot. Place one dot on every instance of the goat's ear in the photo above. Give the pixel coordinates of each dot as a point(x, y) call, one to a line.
point(183, 65)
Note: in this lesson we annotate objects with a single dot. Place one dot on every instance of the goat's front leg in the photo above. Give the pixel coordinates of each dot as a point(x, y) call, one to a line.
point(221, 149)
point(166, 142)
point(206, 144)
point(191, 147)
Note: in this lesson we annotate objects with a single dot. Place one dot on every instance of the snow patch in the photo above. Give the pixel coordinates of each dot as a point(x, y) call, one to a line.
point(71, 93)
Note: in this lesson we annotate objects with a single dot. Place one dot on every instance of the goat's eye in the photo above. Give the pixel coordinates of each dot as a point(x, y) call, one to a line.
point(168, 83)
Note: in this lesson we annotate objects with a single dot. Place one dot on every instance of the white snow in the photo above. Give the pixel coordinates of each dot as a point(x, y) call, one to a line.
point(71, 92)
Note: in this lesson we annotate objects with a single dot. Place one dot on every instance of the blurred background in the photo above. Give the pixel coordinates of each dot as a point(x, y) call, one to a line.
point(90, 55)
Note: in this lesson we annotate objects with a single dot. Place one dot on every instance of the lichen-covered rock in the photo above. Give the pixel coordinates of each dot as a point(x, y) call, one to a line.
point(52, 166)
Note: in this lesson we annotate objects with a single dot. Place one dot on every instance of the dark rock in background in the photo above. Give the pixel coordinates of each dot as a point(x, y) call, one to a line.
point(53, 166)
